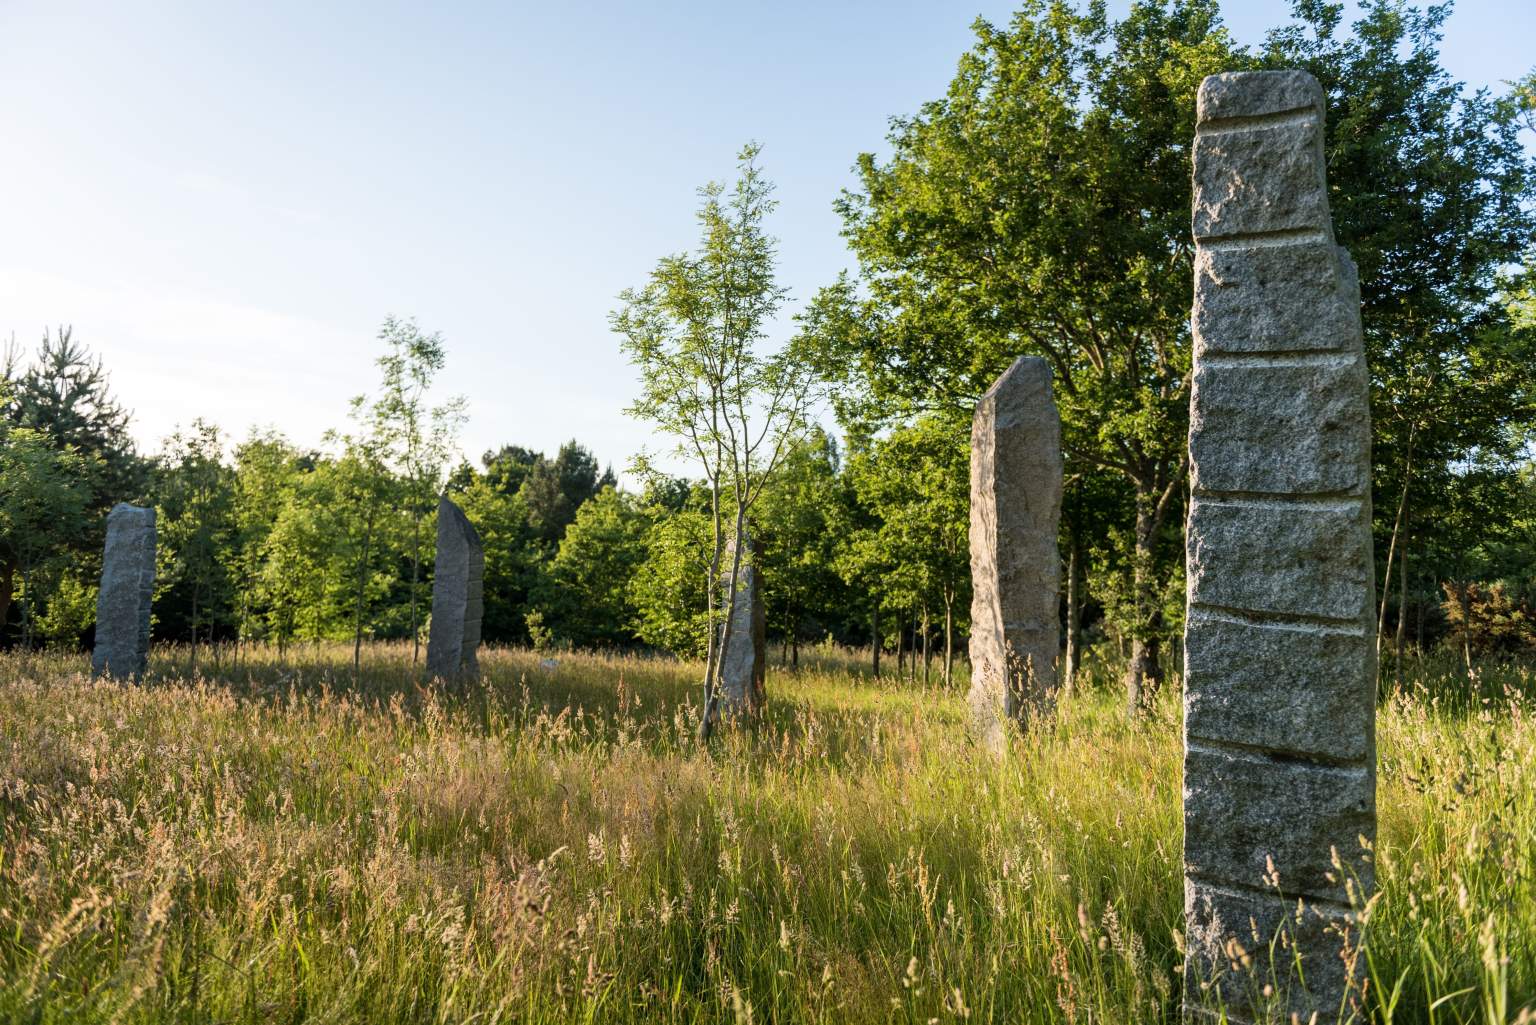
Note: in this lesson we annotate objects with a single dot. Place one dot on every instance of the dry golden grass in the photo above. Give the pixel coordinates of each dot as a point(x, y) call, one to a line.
point(278, 842)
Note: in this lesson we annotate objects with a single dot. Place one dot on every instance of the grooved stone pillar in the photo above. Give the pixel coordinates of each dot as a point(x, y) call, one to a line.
point(1279, 705)
point(127, 585)
point(742, 673)
point(1015, 567)
point(458, 590)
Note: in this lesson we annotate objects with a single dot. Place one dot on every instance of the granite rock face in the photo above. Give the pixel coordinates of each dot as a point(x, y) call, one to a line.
point(458, 596)
point(1279, 712)
point(1015, 566)
point(743, 672)
point(127, 586)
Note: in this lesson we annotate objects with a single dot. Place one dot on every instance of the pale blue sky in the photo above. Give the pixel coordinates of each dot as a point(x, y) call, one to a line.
point(225, 200)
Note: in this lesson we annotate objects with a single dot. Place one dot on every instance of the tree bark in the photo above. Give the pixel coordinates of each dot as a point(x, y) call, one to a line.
point(949, 638)
point(26, 609)
point(876, 642)
point(927, 658)
point(194, 629)
point(1402, 608)
point(1397, 527)
point(415, 580)
point(1074, 616)
point(1144, 673)
point(7, 581)
point(362, 580)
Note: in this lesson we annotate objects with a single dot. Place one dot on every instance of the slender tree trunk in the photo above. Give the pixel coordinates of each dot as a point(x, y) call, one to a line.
point(912, 647)
point(26, 609)
point(927, 655)
point(1074, 615)
point(415, 580)
point(362, 582)
point(1418, 641)
point(7, 581)
point(794, 641)
point(706, 728)
point(901, 655)
point(1402, 608)
point(876, 642)
point(949, 638)
point(193, 671)
point(1464, 599)
point(1397, 527)
point(1144, 674)
point(711, 596)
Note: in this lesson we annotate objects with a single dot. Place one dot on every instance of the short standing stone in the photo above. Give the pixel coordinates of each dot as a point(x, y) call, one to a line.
point(1015, 566)
point(1279, 709)
point(127, 585)
point(743, 669)
point(458, 600)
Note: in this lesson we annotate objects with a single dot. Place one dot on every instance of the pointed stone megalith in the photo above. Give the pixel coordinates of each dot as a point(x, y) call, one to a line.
point(1279, 705)
point(1015, 567)
point(458, 596)
point(127, 585)
point(743, 671)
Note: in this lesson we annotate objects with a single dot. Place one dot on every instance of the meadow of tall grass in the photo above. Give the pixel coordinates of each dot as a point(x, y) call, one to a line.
point(271, 840)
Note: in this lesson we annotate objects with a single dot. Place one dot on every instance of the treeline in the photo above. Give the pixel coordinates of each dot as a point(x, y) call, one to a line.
point(1041, 206)
point(264, 540)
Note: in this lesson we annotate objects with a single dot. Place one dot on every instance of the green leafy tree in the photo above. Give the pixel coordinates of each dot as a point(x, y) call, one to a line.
point(793, 526)
point(1042, 206)
point(42, 510)
point(1431, 195)
point(64, 393)
point(916, 483)
point(553, 490)
point(414, 440)
point(508, 466)
point(514, 558)
point(362, 496)
point(694, 332)
point(306, 563)
point(196, 533)
point(668, 590)
point(267, 471)
point(588, 603)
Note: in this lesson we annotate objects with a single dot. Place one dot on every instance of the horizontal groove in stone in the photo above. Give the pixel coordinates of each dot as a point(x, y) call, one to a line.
point(1254, 122)
point(1228, 360)
point(1262, 239)
point(1328, 501)
point(1231, 888)
point(1278, 620)
point(1288, 756)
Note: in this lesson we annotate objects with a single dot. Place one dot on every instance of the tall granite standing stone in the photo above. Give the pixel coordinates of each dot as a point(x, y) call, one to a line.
point(127, 586)
point(1015, 567)
point(743, 671)
point(1279, 706)
point(458, 595)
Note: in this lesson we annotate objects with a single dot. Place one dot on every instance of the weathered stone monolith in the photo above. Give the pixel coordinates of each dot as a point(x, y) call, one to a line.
point(1015, 567)
point(127, 586)
point(1279, 707)
point(457, 596)
point(742, 673)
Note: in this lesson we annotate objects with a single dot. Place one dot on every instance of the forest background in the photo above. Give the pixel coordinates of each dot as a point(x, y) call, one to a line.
point(1039, 207)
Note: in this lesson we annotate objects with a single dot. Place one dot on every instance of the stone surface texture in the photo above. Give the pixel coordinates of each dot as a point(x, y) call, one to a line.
point(1015, 566)
point(458, 596)
point(127, 586)
point(742, 674)
point(1279, 713)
